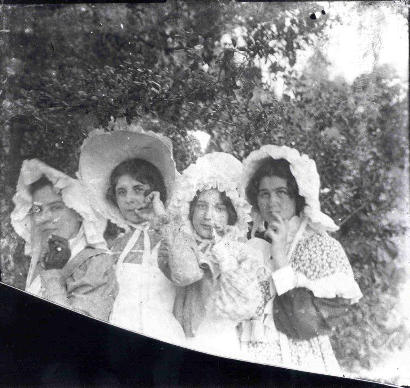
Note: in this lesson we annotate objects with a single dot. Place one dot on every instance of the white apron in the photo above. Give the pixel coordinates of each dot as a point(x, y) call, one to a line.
point(146, 297)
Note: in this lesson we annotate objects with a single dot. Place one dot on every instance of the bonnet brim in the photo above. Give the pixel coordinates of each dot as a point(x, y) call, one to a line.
point(217, 170)
point(73, 195)
point(305, 173)
point(102, 151)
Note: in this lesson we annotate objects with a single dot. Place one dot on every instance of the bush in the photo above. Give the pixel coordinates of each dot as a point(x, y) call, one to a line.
point(72, 68)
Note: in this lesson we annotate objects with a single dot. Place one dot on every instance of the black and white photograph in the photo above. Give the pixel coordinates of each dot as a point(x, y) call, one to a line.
point(226, 177)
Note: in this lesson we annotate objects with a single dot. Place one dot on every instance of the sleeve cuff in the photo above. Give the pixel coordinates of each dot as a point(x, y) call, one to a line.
point(284, 279)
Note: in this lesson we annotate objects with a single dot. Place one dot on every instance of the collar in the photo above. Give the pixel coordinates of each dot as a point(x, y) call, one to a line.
point(142, 226)
point(293, 227)
point(77, 243)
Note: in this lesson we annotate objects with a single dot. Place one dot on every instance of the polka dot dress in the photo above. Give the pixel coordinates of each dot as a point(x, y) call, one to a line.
point(316, 255)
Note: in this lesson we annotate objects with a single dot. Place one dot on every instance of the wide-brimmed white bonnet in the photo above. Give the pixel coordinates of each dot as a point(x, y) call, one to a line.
point(73, 195)
point(217, 170)
point(102, 151)
point(305, 173)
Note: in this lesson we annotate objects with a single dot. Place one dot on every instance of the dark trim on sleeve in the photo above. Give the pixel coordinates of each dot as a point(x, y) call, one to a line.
point(300, 315)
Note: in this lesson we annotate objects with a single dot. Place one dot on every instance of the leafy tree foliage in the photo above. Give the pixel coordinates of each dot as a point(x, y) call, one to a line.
point(184, 66)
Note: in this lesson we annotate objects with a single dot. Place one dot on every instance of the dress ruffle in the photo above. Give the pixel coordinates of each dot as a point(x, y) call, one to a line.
point(238, 295)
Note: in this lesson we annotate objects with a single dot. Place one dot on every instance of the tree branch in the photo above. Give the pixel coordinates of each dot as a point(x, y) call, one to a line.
point(352, 214)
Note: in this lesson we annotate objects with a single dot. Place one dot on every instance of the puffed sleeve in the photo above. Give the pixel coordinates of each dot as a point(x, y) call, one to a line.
point(92, 286)
point(324, 288)
point(300, 315)
point(237, 295)
point(180, 251)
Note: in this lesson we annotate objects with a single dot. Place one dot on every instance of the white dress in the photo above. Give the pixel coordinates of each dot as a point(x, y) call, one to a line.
point(145, 299)
point(217, 336)
point(319, 264)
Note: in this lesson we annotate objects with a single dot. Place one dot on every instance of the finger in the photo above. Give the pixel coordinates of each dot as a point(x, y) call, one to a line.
point(220, 230)
point(204, 248)
point(283, 222)
point(277, 218)
point(270, 234)
point(214, 234)
point(201, 246)
point(148, 198)
point(208, 249)
point(274, 227)
point(57, 240)
point(155, 195)
point(145, 216)
point(228, 229)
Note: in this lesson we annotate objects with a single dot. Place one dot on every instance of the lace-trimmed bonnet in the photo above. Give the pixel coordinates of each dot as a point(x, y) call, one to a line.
point(305, 173)
point(102, 151)
point(217, 170)
point(73, 195)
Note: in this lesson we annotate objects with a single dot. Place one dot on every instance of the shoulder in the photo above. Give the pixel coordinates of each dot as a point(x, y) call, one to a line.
point(92, 259)
point(101, 255)
point(119, 242)
point(93, 277)
point(320, 243)
point(155, 235)
point(319, 254)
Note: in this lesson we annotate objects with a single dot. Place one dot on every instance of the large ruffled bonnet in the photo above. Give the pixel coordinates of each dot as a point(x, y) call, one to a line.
point(73, 195)
point(217, 170)
point(102, 151)
point(305, 173)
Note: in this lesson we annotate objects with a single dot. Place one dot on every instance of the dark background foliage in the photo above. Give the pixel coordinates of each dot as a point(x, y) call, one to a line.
point(67, 69)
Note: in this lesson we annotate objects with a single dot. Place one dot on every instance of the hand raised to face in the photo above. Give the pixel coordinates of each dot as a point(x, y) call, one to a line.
point(210, 215)
point(153, 209)
point(153, 200)
point(277, 231)
point(57, 254)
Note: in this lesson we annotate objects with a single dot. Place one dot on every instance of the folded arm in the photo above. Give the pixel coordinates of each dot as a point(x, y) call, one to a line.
point(308, 307)
point(90, 288)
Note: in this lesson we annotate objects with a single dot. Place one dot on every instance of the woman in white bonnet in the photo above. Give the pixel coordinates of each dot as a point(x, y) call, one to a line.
point(308, 283)
point(70, 264)
point(208, 257)
point(130, 175)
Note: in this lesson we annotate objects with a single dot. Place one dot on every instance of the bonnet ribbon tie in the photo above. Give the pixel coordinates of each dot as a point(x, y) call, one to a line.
point(131, 242)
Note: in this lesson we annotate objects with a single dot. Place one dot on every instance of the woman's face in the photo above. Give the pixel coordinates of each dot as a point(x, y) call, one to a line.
point(50, 215)
point(274, 199)
point(130, 195)
point(209, 214)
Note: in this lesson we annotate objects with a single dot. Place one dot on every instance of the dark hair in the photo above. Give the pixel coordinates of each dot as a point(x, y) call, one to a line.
point(274, 167)
point(142, 171)
point(232, 215)
point(39, 184)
